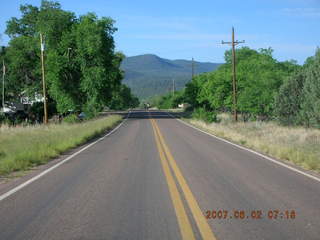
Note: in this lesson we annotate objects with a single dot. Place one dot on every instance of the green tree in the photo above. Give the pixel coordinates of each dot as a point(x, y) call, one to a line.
point(24, 48)
point(259, 77)
point(288, 101)
point(299, 97)
point(82, 67)
point(95, 54)
point(310, 107)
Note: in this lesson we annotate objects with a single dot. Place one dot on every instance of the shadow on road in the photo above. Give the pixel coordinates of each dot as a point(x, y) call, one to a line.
point(142, 114)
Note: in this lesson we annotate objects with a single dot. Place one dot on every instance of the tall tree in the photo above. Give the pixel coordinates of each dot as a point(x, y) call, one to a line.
point(82, 67)
point(310, 108)
point(259, 77)
point(289, 99)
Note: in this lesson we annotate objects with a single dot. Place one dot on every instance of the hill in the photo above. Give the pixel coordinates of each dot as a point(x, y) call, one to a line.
point(149, 75)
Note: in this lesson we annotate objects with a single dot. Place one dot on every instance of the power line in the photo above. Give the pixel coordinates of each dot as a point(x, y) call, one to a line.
point(233, 43)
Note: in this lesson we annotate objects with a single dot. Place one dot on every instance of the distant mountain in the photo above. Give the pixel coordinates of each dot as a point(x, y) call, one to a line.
point(149, 75)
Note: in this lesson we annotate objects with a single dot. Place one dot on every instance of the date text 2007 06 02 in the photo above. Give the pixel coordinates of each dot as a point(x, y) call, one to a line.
point(254, 214)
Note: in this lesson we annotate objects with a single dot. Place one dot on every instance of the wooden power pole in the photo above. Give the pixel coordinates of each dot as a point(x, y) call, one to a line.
point(233, 43)
point(45, 119)
point(173, 87)
point(192, 68)
point(3, 75)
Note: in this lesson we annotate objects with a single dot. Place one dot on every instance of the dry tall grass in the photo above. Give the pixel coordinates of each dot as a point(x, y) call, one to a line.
point(24, 147)
point(295, 144)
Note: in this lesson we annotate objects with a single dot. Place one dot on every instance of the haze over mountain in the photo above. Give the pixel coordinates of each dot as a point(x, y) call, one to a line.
point(149, 75)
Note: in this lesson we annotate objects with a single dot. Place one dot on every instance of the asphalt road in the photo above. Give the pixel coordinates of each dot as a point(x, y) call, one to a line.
point(156, 178)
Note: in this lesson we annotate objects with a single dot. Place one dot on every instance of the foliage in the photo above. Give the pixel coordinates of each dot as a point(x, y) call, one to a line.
point(289, 99)
point(310, 107)
point(266, 88)
point(169, 100)
point(298, 101)
point(204, 115)
point(2, 118)
point(81, 65)
point(71, 118)
point(23, 53)
point(259, 77)
point(165, 102)
point(123, 99)
point(36, 110)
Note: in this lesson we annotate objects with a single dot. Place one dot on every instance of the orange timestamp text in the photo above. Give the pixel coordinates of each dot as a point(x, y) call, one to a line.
point(253, 214)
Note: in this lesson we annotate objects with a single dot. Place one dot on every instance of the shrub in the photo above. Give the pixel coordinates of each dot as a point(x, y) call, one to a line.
point(72, 118)
point(202, 114)
point(2, 117)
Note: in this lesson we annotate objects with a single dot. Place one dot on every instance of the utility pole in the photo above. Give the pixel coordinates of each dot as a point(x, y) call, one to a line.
point(233, 43)
point(3, 75)
point(173, 87)
point(45, 120)
point(192, 68)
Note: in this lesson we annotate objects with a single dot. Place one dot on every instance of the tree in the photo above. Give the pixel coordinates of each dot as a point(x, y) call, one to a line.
point(259, 77)
point(310, 107)
point(94, 54)
point(298, 101)
point(82, 68)
point(123, 99)
point(24, 48)
point(288, 101)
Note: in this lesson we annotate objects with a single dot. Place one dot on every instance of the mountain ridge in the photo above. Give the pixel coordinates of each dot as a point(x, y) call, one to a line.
point(149, 74)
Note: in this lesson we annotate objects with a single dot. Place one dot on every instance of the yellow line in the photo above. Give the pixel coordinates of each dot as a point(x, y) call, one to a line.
point(202, 223)
point(183, 221)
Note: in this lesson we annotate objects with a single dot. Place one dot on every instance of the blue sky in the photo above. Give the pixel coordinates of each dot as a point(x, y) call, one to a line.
point(186, 29)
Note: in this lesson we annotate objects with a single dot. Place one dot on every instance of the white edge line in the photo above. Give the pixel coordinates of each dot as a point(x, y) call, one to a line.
point(249, 150)
point(19, 187)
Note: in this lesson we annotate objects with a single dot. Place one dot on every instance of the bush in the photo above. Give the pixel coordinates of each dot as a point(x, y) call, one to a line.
point(6, 120)
point(202, 114)
point(72, 118)
point(2, 117)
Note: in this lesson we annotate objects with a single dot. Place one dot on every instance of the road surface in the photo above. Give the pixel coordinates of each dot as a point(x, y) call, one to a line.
point(157, 178)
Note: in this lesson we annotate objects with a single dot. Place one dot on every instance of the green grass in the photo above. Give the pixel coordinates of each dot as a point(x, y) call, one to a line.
point(298, 145)
point(24, 147)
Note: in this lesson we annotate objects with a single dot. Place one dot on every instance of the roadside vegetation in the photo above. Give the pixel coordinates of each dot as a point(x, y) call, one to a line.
point(82, 68)
point(278, 105)
point(285, 92)
point(298, 145)
point(22, 148)
point(83, 78)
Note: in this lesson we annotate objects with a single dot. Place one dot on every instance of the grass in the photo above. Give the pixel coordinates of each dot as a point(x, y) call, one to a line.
point(298, 145)
point(24, 147)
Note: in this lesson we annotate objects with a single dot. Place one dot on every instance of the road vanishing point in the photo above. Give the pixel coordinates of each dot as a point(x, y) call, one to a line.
point(155, 177)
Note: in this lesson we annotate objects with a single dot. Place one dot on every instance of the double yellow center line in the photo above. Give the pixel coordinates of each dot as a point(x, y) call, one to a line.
point(168, 162)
